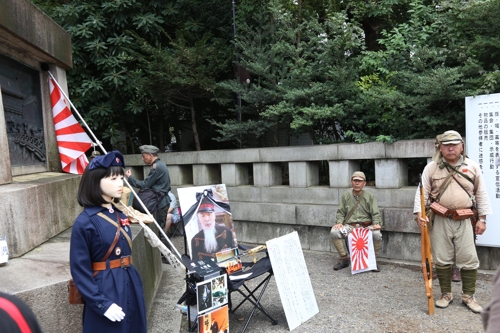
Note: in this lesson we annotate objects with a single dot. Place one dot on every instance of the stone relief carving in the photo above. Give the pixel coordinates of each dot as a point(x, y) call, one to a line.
point(23, 113)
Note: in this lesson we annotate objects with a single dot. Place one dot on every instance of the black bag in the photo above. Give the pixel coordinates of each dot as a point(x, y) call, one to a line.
point(151, 199)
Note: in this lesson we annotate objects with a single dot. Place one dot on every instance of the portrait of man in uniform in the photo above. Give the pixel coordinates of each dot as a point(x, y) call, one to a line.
point(212, 237)
point(208, 221)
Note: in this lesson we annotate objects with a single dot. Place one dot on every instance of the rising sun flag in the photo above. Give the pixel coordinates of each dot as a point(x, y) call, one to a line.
point(362, 252)
point(72, 140)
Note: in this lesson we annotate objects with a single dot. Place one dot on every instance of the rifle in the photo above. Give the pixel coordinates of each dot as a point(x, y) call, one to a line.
point(426, 254)
point(251, 251)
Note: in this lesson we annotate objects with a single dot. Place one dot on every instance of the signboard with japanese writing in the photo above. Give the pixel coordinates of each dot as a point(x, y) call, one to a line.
point(292, 279)
point(4, 251)
point(482, 145)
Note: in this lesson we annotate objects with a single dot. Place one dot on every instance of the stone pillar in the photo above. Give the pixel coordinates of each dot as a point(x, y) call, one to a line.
point(341, 172)
point(303, 174)
point(206, 174)
point(180, 174)
point(5, 170)
point(234, 174)
point(391, 173)
point(266, 174)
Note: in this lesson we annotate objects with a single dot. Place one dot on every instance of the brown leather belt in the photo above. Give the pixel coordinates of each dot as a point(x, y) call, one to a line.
point(360, 224)
point(122, 262)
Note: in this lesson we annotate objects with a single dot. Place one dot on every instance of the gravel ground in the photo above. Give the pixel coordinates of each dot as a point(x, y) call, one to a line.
point(390, 301)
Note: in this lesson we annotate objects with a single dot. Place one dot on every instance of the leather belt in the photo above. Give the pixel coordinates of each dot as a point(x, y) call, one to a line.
point(360, 224)
point(122, 262)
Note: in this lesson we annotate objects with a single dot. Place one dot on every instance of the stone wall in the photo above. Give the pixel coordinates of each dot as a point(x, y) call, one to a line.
point(267, 208)
point(30, 37)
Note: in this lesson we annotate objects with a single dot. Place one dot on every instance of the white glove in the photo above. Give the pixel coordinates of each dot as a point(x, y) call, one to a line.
point(114, 313)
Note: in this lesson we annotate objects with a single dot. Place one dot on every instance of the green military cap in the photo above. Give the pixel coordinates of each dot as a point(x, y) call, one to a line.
point(358, 175)
point(450, 138)
point(149, 149)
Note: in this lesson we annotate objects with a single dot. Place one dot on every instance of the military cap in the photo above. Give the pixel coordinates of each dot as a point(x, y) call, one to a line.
point(113, 158)
point(358, 175)
point(148, 149)
point(206, 206)
point(450, 138)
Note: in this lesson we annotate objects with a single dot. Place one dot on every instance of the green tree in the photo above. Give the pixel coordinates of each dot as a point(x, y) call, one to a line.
point(301, 72)
point(106, 57)
point(419, 77)
point(182, 73)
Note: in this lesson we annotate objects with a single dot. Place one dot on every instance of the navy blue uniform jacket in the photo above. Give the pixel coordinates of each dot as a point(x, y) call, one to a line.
point(91, 238)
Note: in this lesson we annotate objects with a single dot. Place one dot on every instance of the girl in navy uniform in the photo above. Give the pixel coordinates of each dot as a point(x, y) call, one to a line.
point(101, 261)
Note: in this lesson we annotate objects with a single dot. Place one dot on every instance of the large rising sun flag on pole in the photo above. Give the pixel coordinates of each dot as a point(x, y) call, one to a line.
point(72, 140)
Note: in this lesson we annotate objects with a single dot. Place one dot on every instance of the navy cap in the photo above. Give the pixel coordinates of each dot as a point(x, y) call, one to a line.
point(113, 158)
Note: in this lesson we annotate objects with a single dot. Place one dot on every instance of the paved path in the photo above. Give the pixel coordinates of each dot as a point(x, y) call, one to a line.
point(390, 301)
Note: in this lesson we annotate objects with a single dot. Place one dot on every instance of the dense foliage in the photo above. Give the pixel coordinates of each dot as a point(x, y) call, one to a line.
point(337, 70)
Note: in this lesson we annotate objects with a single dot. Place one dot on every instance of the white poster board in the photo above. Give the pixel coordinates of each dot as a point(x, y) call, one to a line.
point(482, 146)
point(292, 279)
point(4, 251)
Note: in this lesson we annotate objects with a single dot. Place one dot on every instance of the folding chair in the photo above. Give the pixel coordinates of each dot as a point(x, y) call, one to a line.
point(237, 280)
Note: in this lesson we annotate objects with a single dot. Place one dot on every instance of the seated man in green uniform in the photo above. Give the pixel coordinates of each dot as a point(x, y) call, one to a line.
point(157, 179)
point(358, 208)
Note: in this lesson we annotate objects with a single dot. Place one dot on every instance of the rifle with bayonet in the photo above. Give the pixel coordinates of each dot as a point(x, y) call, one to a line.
point(426, 254)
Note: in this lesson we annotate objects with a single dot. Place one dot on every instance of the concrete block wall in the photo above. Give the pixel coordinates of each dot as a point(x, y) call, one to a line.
point(37, 207)
point(267, 209)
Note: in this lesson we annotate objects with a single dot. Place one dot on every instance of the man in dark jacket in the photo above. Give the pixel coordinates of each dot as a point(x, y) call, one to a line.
point(157, 179)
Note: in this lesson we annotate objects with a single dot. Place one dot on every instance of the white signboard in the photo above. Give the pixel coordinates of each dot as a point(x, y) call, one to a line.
point(482, 145)
point(4, 251)
point(292, 279)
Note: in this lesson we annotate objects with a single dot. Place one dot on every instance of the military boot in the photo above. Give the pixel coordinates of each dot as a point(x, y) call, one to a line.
point(444, 276)
point(344, 257)
point(469, 277)
point(455, 275)
point(470, 302)
point(343, 263)
point(376, 248)
point(444, 300)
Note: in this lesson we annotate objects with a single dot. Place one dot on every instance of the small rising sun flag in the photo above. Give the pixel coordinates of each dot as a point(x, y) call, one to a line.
point(361, 249)
point(72, 141)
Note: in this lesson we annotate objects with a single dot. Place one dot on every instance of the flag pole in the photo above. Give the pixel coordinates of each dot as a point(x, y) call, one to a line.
point(124, 179)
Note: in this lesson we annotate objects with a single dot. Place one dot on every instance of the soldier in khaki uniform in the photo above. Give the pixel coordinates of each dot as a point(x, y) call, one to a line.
point(453, 239)
point(358, 208)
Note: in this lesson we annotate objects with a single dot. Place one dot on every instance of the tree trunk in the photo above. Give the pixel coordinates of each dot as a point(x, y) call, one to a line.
point(193, 125)
point(132, 145)
point(287, 134)
point(276, 134)
point(299, 21)
point(160, 134)
point(149, 128)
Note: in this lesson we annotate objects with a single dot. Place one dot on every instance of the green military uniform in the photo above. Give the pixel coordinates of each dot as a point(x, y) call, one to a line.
point(368, 212)
point(356, 211)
